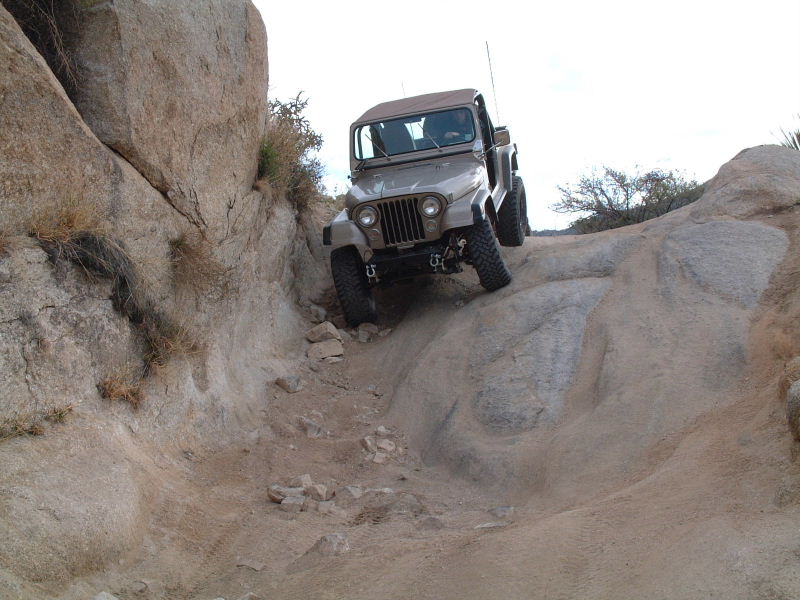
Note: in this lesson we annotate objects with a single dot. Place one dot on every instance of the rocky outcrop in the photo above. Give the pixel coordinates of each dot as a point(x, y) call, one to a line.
point(179, 89)
point(601, 342)
point(171, 107)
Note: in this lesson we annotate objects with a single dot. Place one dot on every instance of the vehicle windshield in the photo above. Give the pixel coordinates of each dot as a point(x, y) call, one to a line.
point(416, 132)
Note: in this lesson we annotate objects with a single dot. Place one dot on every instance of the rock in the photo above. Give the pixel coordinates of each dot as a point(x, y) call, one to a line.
point(375, 492)
point(5, 271)
point(302, 481)
point(332, 359)
point(251, 596)
point(251, 564)
point(492, 525)
point(380, 458)
point(332, 544)
point(384, 332)
point(404, 503)
point(430, 524)
point(318, 313)
point(349, 494)
point(105, 596)
point(318, 492)
point(793, 409)
point(325, 349)
point(323, 331)
point(290, 383)
point(383, 431)
point(139, 587)
point(502, 512)
point(363, 336)
point(338, 512)
point(294, 504)
point(369, 444)
point(345, 336)
point(370, 328)
point(387, 446)
point(326, 506)
point(311, 428)
point(791, 373)
point(196, 147)
point(733, 259)
point(277, 493)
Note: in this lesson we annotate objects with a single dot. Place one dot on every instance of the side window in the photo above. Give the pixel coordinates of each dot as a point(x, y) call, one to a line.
point(367, 142)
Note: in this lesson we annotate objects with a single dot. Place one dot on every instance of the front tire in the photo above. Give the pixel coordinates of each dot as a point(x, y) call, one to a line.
point(485, 255)
point(512, 218)
point(352, 287)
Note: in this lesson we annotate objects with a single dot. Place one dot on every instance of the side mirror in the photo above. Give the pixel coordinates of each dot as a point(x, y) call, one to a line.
point(502, 137)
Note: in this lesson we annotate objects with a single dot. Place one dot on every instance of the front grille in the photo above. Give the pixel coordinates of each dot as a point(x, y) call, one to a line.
point(400, 221)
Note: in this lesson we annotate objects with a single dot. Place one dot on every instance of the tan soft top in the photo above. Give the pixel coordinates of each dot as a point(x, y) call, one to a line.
point(416, 104)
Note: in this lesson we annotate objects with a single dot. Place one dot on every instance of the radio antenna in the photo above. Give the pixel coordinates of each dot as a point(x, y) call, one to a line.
point(491, 74)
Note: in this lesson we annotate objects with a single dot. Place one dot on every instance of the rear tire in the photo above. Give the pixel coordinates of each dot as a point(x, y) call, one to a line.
point(352, 287)
point(485, 255)
point(512, 218)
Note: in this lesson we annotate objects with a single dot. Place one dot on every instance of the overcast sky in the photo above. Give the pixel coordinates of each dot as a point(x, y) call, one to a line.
point(683, 85)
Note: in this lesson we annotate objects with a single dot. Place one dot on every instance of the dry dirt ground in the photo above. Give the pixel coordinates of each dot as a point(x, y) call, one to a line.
point(708, 508)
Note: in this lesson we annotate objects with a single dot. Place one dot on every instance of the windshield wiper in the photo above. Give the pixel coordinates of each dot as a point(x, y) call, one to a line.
point(374, 145)
point(438, 147)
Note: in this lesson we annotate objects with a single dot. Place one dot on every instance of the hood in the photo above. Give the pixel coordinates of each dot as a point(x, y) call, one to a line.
point(452, 178)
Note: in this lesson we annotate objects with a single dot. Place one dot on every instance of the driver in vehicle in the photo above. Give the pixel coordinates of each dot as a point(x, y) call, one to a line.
point(449, 127)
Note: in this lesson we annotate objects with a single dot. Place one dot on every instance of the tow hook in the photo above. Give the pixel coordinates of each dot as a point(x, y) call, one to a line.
point(371, 274)
point(436, 262)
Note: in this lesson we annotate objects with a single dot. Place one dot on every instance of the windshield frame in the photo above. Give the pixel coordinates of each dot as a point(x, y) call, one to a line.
point(422, 143)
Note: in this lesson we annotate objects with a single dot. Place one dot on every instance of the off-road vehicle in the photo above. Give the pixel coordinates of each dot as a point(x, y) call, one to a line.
point(435, 185)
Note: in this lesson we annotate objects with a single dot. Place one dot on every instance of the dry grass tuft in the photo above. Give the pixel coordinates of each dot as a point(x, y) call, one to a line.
point(33, 424)
point(76, 232)
point(59, 413)
point(164, 341)
point(125, 386)
point(20, 425)
point(194, 266)
point(63, 222)
point(45, 22)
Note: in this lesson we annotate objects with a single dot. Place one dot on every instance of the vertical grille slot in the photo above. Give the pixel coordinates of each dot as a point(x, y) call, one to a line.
point(400, 221)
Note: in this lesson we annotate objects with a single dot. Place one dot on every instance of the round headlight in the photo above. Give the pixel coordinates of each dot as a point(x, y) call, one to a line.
point(431, 206)
point(367, 216)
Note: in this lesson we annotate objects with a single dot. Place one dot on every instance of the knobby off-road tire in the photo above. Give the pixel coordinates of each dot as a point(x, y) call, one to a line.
point(512, 218)
point(350, 279)
point(485, 254)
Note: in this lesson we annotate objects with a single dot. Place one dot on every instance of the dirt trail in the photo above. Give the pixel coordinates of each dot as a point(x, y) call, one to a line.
point(621, 394)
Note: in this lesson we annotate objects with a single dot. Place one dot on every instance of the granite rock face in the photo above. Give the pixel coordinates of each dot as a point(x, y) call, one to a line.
point(601, 342)
point(171, 107)
point(179, 89)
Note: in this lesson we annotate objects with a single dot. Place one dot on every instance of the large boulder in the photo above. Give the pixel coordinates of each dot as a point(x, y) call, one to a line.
point(180, 90)
point(603, 344)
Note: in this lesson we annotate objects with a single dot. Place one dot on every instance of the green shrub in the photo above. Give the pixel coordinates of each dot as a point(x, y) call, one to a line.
point(287, 153)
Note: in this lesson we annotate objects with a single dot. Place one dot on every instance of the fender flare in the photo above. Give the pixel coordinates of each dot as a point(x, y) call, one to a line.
point(481, 206)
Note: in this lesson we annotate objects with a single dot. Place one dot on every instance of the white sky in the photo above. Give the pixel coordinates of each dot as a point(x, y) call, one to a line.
point(682, 85)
